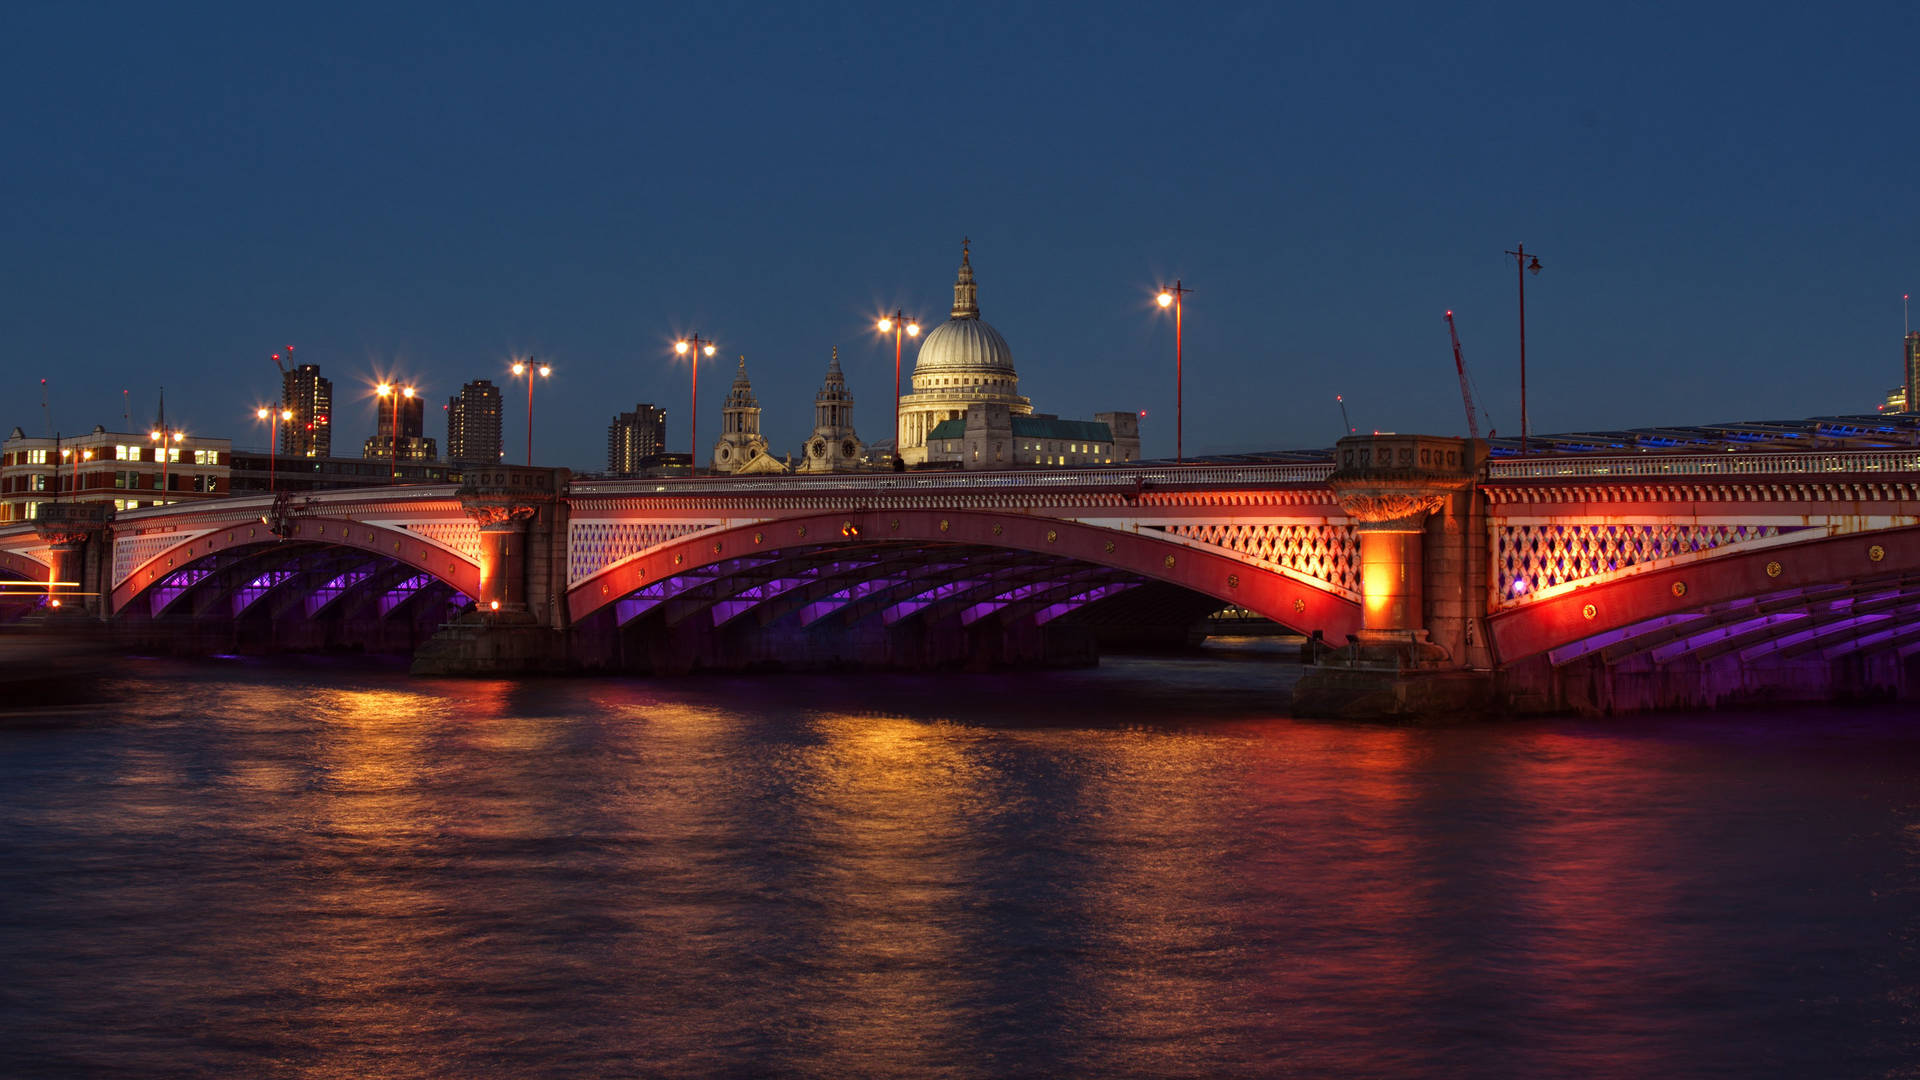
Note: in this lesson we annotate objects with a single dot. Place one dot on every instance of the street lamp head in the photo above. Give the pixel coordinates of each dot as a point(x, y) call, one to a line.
point(383, 389)
point(407, 392)
point(709, 349)
point(1165, 299)
point(913, 329)
point(680, 347)
point(154, 435)
point(260, 414)
point(886, 325)
point(545, 371)
point(66, 451)
point(1534, 267)
point(519, 368)
point(286, 414)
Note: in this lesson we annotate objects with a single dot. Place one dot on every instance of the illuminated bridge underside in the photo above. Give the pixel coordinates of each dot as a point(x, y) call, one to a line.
point(894, 565)
point(281, 582)
point(205, 550)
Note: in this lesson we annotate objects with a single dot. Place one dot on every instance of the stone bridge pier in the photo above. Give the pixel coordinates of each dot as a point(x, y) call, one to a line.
point(1422, 536)
point(75, 534)
point(519, 621)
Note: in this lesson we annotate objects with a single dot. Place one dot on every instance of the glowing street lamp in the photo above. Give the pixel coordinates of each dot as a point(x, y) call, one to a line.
point(1172, 297)
point(274, 418)
point(898, 324)
point(388, 390)
point(162, 438)
point(78, 456)
point(527, 367)
point(693, 346)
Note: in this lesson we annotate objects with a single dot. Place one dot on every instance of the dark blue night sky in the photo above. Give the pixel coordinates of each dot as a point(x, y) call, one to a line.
point(1724, 200)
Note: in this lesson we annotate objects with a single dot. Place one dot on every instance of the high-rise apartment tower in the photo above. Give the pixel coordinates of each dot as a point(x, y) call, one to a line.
point(473, 425)
point(310, 432)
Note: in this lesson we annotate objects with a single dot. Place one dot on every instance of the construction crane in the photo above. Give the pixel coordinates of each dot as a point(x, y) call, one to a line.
point(1346, 425)
point(1460, 366)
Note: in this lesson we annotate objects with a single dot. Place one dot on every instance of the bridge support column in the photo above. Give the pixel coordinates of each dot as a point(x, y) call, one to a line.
point(1391, 486)
point(518, 624)
point(73, 532)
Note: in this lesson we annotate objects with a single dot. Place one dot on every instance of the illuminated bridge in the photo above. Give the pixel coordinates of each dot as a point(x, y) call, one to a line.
point(1584, 581)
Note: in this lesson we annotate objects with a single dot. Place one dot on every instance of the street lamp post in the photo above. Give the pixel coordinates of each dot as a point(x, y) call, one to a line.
point(692, 347)
point(273, 417)
point(1173, 297)
point(1521, 266)
point(899, 324)
point(388, 390)
point(78, 456)
point(527, 367)
point(163, 437)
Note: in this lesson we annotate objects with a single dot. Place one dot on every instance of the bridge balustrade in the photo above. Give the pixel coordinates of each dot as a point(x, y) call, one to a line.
point(907, 483)
point(1765, 463)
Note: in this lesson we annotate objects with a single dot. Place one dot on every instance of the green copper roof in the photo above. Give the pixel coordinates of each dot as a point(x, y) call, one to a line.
point(1028, 427)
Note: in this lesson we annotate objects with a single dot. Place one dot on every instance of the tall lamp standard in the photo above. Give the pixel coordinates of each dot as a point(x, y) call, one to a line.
point(1521, 265)
point(273, 417)
point(898, 323)
point(78, 456)
point(693, 346)
point(388, 390)
point(527, 367)
point(1172, 297)
point(162, 437)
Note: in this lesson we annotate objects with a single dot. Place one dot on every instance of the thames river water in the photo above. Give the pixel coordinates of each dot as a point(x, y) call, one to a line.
point(1145, 869)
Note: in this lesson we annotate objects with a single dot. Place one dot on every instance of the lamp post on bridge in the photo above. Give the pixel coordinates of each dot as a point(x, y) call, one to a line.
point(388, 390)
point(527, 367)
point(78, 456)
point(1521, 266)
point(273, 417)
point(692, 347)
point(898, 323)
point(1173, 297)
point(161, 437)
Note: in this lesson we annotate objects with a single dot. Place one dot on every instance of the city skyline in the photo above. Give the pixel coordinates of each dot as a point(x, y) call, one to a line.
point(1715, 246)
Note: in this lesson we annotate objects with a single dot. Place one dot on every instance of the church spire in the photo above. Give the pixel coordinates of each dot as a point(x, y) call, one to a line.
point(966, 304)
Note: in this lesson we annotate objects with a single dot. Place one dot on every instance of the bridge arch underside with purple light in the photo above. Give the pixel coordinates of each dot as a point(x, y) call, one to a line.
point(304, 595)
point(916, 589)
point(1828, 618)
point(22, 585)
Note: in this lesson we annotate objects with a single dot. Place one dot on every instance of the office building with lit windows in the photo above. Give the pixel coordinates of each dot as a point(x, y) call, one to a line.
point(116, 468)
point(412, 444)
